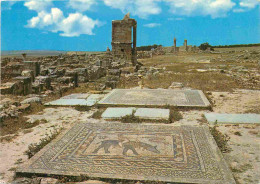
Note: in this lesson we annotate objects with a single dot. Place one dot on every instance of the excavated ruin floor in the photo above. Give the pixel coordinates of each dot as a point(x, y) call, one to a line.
point(134, 151)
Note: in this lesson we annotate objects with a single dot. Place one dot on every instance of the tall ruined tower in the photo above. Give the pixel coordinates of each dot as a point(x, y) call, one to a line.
point(122, 45)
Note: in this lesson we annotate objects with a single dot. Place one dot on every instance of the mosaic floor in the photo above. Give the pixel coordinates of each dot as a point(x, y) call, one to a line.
point(137, 152)
point(155, 97)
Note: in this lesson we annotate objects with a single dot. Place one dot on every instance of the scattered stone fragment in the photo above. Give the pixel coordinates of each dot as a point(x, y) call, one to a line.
point(32, 100)
point(49, 181)
point(176, 85)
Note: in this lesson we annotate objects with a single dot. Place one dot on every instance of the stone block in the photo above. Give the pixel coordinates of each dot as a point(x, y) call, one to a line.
point(77, 96)
point(213, 118)
point(117, 112)
point(67, 102)
point(152, 113)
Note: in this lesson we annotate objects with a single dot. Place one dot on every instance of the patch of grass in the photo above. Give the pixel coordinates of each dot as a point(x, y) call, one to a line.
point(8, 138)
point(242, 168)
point(35, 123)
point(203, 120)
point(82, 108)
point(131, 118)
point(183, 68)
point(36, 147)
point(254, 110)
point(97, 114)
point(217, 82)
point(175, 115)
point(13, 125)
point(12, 169)
point(26, 131)
point(221, 139)
point(19, 161)
point(238, 133)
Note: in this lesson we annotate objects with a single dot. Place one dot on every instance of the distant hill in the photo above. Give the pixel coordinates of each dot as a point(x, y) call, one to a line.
point(32, 52)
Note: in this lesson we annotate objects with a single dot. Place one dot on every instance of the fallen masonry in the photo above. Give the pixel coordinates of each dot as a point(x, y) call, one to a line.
point(155, 98)
point(133, 151)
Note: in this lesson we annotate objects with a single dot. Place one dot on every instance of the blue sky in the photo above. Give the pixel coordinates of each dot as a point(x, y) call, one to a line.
point(85, 25)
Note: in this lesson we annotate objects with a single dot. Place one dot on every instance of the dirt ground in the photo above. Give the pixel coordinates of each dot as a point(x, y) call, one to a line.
point(12, 153)
point(232, 87)
point(243, 158)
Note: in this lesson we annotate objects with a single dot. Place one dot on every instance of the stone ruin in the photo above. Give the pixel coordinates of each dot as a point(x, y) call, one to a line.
point(184, 48)
point(122, 45)
point(23, 76)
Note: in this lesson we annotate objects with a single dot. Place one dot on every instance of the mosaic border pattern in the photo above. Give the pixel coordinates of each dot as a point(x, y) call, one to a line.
point(203, 162)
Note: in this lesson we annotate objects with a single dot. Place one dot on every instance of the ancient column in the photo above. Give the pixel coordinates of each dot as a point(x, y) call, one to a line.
point(174, 45)
point(185, 45)
point(134, 45)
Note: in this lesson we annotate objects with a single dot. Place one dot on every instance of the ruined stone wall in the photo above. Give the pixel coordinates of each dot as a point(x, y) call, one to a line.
point(122, 31)
point(122, 39)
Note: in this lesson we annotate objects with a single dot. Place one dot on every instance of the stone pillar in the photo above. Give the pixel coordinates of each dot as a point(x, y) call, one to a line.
point(24, 56)
point(134, 45)
point(185, 45)
point(76, 79)
point(174, 42)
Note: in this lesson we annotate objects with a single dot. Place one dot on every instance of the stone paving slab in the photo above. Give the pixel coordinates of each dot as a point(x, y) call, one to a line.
point(76, 96)
point(117, 112)
point(155, 98)
point(67, 102)
point(167, 153)
point(93, 99)
point(153, 113)
point(76, 100)
point(232, 118)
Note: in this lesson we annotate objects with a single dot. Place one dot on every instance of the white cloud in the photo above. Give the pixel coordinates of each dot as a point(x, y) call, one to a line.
point(213, 8)
point(249, 3)
point(39, 5)
point(239, 10)
point(141, 8)
point(144, 8)
point(76, 24)
point(81, 5)
point(54, 20)
point(152, 25)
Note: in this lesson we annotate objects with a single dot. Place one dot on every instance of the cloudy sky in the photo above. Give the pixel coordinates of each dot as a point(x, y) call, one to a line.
point(86, 24)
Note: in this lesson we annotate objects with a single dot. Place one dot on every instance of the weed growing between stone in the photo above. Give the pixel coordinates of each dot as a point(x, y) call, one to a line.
point(36, 147)
point(221, 139)
point(82, 108)
point(97, 114)
point(131, 118)
point(175, 116)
